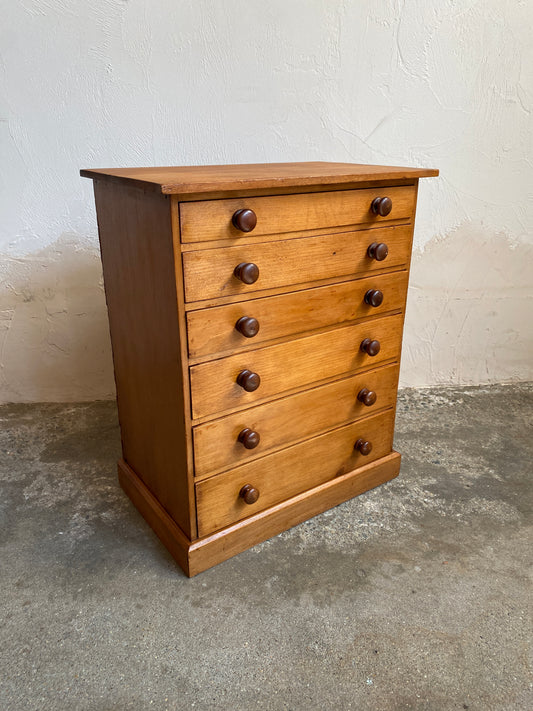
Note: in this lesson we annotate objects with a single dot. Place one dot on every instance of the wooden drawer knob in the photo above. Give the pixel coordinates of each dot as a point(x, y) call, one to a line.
point(249, 438)
point(374, 297)
point(381, 206)
point(249, 494)
point(367, 397)
point(247, 272)
point(378, 251)
point(244, 220)
point(370, 347)
point(248, 381)
point(249, 327)
point(363, 446)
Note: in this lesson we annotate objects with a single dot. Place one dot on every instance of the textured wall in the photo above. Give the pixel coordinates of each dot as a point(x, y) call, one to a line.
point(438, 83)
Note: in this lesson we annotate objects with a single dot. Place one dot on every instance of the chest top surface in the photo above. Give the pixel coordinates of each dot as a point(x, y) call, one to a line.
point(249, 176)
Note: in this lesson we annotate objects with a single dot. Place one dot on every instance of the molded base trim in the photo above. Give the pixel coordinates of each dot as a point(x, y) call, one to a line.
point(203, 553)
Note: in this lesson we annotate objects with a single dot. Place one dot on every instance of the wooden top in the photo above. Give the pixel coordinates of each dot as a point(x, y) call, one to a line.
point(250, 176)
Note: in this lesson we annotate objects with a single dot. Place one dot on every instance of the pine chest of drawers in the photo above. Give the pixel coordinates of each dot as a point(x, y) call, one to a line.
point(256, 317)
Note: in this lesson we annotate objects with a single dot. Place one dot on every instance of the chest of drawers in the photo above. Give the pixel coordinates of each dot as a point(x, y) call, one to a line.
point(256, 316)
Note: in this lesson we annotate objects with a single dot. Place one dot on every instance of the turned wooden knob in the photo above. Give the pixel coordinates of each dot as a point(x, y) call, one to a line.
point(244, 220)
point(363, 446)
point(247, 272)
point(381, 206)
point(370, 347)
point(378, 251)
point(249, 438)
point(374, 297)
point(248, 381)
point(367, 397)
point(249, 327)
point(249, 494)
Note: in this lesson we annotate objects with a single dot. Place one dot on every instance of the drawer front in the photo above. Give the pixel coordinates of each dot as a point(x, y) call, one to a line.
point(282, 422)
point(289, 472)
point(209, 273)
point(277, 214)
point(297, 363)
point(214, 330)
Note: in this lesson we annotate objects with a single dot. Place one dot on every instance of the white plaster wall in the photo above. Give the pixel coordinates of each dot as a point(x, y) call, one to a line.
point(437, 83)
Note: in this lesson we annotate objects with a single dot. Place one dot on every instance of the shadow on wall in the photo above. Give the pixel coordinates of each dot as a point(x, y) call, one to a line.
point(54, 334)
point(469, 311)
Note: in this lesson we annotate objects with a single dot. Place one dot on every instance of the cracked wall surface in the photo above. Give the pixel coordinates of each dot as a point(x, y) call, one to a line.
point(445, 84)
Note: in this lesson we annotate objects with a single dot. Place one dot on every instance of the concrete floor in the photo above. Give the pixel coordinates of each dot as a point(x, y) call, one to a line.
point(413, 596)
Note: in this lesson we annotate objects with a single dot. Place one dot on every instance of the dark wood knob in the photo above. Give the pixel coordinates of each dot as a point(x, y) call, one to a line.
point(363, 446)
point(244, 220)
point(374, 297)
point(381, 206)
point(247, 272)
point(371, 347)
point(378, 251)
point(249, 438)
point(367, 397)
point(248, 381)
point(249, 327)
point(249, 494)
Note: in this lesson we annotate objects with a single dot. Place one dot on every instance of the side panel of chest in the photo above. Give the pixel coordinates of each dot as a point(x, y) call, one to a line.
point(137, 249)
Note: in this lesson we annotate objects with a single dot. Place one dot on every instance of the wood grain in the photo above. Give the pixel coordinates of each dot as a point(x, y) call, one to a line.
point(290, 419)
point(297, 363)
point(285, 474)
point(209, 178)
point(138, 263)
point(212, 331)
point(235, 298)
point(280, 214)
point(209, 273)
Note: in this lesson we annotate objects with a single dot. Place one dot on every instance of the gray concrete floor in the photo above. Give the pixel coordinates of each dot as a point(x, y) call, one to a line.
point(413, 596)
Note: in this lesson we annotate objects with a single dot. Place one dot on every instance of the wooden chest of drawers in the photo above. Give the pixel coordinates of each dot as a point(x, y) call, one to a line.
point(256, 317)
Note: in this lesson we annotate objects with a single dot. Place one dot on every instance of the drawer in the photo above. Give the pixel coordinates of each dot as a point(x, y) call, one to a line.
point(289, 472)
point(297, 363)
point(209, 273)
point(278, 214)
point(282, 422)
point(214, 330)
